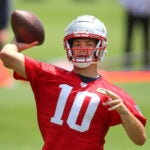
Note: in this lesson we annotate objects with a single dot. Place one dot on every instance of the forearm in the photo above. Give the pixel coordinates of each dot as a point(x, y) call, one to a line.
point(134, 128)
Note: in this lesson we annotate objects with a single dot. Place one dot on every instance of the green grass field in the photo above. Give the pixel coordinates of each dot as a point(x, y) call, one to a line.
point(18, 124)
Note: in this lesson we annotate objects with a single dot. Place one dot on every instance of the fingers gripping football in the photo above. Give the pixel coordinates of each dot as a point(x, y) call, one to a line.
point(23, 46)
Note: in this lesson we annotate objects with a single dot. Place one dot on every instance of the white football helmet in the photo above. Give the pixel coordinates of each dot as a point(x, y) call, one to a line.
point(86, 26)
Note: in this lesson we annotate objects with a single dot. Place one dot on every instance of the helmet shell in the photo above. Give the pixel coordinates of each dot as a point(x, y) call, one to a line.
point(86, 25)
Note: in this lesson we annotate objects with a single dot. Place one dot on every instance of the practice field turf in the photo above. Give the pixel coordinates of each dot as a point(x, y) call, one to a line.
point(18, 122)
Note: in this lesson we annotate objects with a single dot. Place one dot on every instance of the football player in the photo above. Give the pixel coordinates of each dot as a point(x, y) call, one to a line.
point(76, 108)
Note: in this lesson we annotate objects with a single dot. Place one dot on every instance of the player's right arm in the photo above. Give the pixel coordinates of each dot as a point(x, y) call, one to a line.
point(13, 59)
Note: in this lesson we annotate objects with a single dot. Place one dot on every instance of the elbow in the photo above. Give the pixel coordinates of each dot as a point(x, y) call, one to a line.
point(141, 141)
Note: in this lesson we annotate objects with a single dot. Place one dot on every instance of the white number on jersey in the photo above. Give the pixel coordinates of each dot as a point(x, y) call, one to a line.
point(75, 109)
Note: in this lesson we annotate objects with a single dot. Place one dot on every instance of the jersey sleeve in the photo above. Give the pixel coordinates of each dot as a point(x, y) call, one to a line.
point(30, 64)
point(38, 73)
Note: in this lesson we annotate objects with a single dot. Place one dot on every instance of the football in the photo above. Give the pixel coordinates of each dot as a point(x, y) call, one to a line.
point(27, 27)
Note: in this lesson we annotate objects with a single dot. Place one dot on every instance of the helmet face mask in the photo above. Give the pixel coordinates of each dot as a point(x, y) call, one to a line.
point(86, 27)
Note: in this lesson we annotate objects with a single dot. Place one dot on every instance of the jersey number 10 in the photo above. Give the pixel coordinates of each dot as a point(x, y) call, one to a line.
point(75, 109)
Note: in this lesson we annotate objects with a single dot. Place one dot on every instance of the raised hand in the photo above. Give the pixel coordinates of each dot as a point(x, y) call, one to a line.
point(114, 102)
point(23, 46)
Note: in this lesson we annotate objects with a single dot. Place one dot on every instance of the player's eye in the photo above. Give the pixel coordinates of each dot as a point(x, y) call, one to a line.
point(76, 44)
point(90, 44)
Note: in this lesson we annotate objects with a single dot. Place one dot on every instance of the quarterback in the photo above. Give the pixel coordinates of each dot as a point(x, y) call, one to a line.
point(76, 108)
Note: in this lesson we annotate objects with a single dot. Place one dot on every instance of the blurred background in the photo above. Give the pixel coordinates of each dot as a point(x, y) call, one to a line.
point(18, 122)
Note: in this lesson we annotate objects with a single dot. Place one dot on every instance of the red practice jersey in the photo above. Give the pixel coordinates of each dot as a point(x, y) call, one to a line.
point(70, 113)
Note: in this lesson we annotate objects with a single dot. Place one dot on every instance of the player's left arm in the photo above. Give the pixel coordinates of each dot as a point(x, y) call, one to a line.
point(133, 127)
